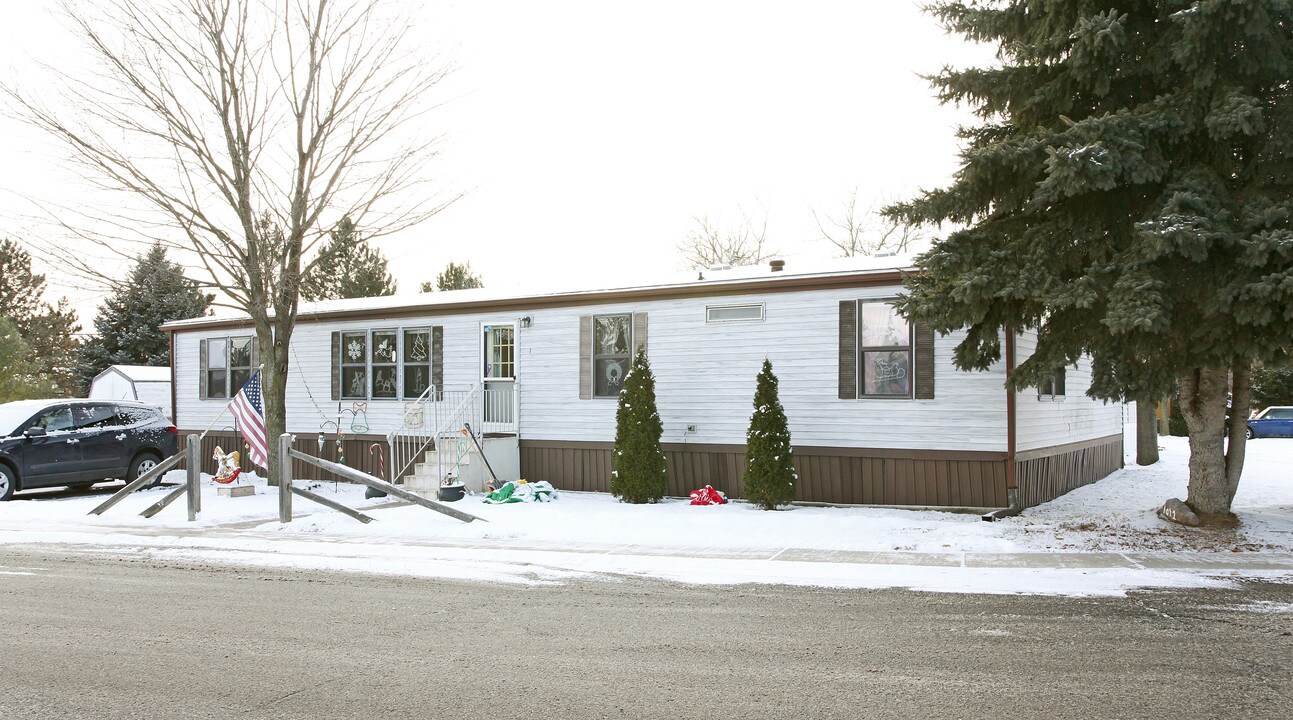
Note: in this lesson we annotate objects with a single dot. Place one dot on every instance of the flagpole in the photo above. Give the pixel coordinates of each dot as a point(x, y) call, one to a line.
point(259, 368)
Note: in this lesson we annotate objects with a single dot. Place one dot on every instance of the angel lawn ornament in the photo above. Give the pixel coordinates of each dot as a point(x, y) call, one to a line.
point(227, 469)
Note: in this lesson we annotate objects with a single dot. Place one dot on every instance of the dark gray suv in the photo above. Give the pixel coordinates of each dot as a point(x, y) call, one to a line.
point(77, 443)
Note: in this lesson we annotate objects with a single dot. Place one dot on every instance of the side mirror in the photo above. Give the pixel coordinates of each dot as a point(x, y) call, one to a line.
point(34, 432)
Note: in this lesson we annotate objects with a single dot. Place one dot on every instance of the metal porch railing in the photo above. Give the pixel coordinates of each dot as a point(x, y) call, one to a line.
point(440, 415)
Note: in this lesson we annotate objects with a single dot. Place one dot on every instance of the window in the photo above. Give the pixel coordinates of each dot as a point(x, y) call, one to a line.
point(96, 415)
point(55, 419)
point(500, 351)
point(218, 368)
point(884, 351)
point(1052, 387)
point(239, 363)
point(227, 363)
point(354, 366)
point(384, 364)
point(417, 362)
point(733, 313)
point(612, 343)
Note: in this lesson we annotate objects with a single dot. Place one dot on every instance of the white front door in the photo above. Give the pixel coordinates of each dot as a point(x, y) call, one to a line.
point(498, 377)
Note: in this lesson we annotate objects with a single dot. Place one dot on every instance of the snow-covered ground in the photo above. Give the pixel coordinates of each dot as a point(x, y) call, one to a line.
point(1104, 538)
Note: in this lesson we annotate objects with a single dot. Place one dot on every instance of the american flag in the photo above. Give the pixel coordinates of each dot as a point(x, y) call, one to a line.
point(249, 407)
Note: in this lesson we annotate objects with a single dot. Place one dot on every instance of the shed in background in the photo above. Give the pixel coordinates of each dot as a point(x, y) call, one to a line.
point(144, 383)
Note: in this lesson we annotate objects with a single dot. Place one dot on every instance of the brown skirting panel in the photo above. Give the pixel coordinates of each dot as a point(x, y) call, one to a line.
point(830, 475)
point(1048, 473)
point(354, 448)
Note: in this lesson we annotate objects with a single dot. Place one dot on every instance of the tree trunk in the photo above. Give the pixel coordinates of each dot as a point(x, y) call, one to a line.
point(1203, 399)
point(1146, 432)
point(1241, 389)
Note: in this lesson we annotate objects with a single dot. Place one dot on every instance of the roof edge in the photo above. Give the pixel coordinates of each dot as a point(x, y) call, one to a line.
point(815, 281)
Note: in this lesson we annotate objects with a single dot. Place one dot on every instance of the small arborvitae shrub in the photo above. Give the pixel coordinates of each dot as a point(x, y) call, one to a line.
point(769, 467)
point(637, 468)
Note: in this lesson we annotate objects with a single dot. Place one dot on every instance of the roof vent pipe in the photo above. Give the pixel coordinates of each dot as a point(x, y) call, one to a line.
point(777, 265)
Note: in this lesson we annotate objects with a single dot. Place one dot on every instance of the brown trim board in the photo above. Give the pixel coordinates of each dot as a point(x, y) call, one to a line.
point(829, 451)
point(1048, 451)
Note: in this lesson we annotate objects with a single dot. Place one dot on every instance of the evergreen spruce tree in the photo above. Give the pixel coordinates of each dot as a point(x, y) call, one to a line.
point(347, 267)
point(1129, 194)
point(47, 331)
point(770, 477)
point(638, 472)
point(127, 326)
point(455, 277)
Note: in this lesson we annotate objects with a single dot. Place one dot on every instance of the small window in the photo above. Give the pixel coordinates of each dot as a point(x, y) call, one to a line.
point(1052, 387)
point(612, 343)
point(884, 351)
point(354, 366)
point(229, 363)
point(734, 313)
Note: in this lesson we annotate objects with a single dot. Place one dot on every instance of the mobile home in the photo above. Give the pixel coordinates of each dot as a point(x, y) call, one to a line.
point(878, 413)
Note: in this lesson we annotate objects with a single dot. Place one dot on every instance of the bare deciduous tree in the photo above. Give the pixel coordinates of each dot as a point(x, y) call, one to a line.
point(240, 132)
point(707, 245)
point(856, 231)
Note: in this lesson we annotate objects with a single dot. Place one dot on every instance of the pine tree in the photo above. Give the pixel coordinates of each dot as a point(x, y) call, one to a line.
point(19, 377)
point(47, 331)
point(1272, 385)
point(770, 476)
point(1128, 193)
point(347, 267)
point(127, 326)
point(638, 472)
point(454, 277)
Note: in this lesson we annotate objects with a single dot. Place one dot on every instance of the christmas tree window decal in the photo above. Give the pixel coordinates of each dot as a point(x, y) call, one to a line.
point(417, 362)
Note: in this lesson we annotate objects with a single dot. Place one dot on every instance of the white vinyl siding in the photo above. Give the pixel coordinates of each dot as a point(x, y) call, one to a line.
point(1072, 418)
point(705, 376)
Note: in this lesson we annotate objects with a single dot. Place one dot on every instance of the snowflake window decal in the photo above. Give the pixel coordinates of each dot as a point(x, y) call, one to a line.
point(355, 350)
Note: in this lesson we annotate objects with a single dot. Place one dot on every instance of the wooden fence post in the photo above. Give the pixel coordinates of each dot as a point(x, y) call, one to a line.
point(193, 461)
point(285, 478)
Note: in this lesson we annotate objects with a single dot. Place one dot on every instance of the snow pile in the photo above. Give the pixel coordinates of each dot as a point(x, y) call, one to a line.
point(1072, 545)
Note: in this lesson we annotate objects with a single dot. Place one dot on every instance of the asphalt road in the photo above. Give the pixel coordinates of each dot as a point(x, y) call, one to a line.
point(97, 636)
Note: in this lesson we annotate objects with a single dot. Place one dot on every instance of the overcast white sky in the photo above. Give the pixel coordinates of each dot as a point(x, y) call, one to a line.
point(587, 135)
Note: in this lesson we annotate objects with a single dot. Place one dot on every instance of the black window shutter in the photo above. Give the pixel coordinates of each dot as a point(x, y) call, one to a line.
point(639, 331)
point(202, 369)
point(585, 357)
point(1059, 381)
point(336, 365)
point(924, 362)
point(848, 349)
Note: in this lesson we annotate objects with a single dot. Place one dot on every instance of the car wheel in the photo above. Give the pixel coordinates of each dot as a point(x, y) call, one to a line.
point(142, 463)
point(8, 483)
point(1248, 433)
